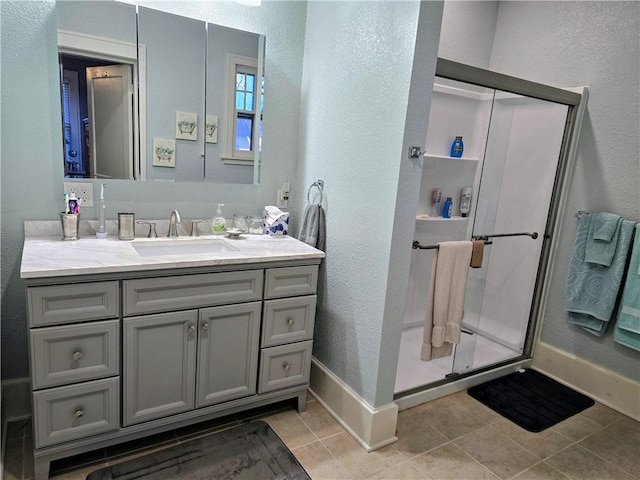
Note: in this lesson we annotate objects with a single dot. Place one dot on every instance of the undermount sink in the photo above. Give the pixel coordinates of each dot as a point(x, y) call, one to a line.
point(181, 247)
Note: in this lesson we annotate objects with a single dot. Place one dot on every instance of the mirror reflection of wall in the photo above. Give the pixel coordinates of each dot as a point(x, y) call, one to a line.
point(171, 137)
point(175, 64)
point(234, 98)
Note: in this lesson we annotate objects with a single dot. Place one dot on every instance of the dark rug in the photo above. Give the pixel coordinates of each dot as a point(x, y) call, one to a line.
point(249, 451)
point(530, 399)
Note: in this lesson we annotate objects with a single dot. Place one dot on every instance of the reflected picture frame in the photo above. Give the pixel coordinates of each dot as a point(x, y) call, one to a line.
point(186, 126)
point(164, 152)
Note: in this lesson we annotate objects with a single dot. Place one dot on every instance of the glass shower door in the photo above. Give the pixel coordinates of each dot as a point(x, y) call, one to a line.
point(514, 195)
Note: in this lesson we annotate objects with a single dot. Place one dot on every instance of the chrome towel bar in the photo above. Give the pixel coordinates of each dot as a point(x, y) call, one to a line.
point(319, 184)
point(485, 238)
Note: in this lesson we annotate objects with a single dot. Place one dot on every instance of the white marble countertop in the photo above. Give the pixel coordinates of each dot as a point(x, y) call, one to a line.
point(50, 256)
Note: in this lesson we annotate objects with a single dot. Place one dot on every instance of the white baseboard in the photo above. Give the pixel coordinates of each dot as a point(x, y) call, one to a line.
point(605, 386)
point(371, 427)
point(16, 399)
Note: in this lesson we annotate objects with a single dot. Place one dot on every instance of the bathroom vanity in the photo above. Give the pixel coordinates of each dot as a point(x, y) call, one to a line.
point(129, 339)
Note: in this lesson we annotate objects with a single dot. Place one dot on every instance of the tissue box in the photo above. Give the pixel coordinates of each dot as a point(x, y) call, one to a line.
point(278, 227)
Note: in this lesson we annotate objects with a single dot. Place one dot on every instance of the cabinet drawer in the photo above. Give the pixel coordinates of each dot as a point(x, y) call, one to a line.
point(74, 353)
point(285, 366)
point(76, 411)
point(288, 320)
point(291, 281)
point(58, 304)
point(191, 291)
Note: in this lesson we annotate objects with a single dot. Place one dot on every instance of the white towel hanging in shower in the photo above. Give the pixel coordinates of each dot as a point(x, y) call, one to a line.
point(446, 299)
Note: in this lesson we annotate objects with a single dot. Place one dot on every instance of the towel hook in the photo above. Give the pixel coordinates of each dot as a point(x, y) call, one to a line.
point(319, 184)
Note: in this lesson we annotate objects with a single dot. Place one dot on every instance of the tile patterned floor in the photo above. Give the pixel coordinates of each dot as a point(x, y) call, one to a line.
point(454, 437)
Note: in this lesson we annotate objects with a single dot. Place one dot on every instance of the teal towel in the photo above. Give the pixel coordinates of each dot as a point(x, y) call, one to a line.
point(602, 238)
point(627, 331)
point(591, 290)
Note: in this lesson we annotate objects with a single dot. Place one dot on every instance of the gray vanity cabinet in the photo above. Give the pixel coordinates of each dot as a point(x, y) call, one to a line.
point(120, 356)
point(74, 343)
point(287, 327)
point(160, 375)
point(161, 349)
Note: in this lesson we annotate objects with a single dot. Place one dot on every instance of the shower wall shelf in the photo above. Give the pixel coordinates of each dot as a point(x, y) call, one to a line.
point(454, 218)
point(428, 156)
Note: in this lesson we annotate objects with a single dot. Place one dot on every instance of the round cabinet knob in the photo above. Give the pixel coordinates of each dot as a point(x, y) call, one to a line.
point(286, 366)
point(192, 328)
point(79, 413)
point(205, 326)
point(290, 321)
point(77, 355)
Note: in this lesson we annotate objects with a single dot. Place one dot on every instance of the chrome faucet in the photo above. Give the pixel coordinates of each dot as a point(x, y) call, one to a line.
point(174, 219)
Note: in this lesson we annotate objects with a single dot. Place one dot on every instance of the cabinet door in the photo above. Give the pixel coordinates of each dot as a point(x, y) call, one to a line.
point(159, 365)
point(227, 352)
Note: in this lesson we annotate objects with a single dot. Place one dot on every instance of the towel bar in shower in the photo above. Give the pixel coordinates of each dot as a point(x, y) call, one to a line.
point(416, 245)
point(485, 238)
point(533, 235)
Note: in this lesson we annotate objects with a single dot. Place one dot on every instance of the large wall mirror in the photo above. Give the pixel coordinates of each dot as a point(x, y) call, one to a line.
point(148, 95)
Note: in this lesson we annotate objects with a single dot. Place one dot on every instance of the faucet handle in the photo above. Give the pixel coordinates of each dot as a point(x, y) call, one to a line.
point(152, 229)
point(194, 227)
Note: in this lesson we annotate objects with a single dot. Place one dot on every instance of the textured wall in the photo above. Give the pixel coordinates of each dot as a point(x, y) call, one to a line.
point(595, 44)
point(467, 32)
point(30, 140)
point(408, 192)
point(31, 144)
point(355, 88)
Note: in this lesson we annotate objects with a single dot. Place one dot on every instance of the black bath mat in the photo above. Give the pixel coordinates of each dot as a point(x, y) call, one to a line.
point(530, 399)
point(251, 451)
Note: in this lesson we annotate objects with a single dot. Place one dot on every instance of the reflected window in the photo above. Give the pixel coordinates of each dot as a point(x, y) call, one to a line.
point(245, 104)
point(245, 107)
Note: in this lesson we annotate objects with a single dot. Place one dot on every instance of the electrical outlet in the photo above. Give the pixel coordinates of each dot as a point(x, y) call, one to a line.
point(81, 190)
point(281, 201)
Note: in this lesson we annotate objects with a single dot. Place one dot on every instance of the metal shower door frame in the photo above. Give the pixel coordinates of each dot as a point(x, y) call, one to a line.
point(575, 99)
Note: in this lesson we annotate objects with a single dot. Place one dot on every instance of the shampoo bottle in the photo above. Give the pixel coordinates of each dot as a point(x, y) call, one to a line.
point(465, 201)
point(457, 147)
point(436, 202)
point(219, 224)
point(446, 209)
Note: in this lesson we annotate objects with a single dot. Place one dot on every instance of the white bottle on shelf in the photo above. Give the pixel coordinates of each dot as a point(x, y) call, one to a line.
point(465, 201)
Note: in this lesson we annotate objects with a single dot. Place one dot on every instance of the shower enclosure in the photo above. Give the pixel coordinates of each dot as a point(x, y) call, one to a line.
point(516, 142)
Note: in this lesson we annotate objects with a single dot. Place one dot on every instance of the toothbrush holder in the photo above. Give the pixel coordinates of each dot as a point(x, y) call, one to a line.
point(70, 223)
point(126, 226)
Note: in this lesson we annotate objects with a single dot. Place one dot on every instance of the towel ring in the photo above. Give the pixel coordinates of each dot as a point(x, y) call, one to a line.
point(319, 185)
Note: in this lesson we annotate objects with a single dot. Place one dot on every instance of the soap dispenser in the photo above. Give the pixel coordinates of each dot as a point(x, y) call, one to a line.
point(219, 224)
